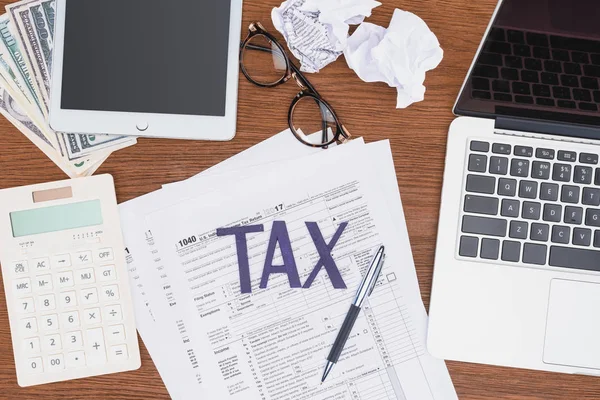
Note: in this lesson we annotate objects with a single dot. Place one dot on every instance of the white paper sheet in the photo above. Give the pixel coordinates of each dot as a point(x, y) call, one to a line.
point(272, 344)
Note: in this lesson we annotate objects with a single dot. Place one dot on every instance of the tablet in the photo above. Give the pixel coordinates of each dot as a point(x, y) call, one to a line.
point(146, 67)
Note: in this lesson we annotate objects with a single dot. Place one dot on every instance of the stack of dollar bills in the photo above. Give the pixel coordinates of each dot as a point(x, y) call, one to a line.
point(27, 34)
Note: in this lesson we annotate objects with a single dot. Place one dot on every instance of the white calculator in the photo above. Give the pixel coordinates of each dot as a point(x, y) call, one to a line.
point(65, 278)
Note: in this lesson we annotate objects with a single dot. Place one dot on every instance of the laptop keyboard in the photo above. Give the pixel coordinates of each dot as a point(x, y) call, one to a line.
point(536, 206)
point(535, 68)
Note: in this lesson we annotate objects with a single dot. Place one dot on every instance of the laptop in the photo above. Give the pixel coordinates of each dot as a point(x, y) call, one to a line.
point(517, 269)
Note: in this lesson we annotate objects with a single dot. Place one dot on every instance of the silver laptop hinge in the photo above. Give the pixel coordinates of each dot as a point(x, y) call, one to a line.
point(547, 130)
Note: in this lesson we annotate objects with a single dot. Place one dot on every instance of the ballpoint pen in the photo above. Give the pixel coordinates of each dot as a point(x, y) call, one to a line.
point(364, 290)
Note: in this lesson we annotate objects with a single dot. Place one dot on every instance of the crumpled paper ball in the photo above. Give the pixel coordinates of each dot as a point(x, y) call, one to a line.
point(399, 55)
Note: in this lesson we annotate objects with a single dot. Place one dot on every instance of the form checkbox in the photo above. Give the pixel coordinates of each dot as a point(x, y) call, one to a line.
point(391, 277)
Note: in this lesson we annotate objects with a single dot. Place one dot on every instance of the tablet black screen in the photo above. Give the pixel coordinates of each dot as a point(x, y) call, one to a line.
point(147, 56)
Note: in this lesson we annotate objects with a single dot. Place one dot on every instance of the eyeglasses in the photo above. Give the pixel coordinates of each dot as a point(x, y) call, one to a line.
point(265, 63)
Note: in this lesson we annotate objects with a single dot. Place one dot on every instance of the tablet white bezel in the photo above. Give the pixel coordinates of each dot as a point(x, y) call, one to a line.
point(158, 125)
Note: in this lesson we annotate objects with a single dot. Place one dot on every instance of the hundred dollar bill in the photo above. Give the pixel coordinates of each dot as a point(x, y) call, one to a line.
point(13, 113)
point(34, 22)
point(18, 57)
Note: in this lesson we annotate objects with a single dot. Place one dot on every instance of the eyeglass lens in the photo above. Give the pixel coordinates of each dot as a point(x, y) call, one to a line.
point(313, 121)
point(263, 60)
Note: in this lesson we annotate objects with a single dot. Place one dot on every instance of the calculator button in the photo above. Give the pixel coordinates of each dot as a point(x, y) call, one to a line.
point(73, 340)
point(95, 350)
point(20, 267)
point(26, 305)
point(85, 276)
point(49, 322)
point(34, 365)
point(22, 285)
point(47, 302)
point(89, 296)
point(107, 273)
point(116, 334)
point(67, 299)
point(113, 313)
point(76, 359)
point(83, 258)
point(92, 316)
point(61, 261)
point(70, 319)
point(43, 282)
point(55, 362)
point(104, 255)
point(40, 264)
point(31, 345)
point(118, 353)
point(109, 293)
point(52, 343)
point(29, 325)
point(65, 279)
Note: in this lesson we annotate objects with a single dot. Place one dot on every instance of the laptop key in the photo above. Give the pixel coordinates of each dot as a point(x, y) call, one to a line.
point(484, 226)
point(531, 210)
point(582, 95)
point(529, 76)
point(569, 80)
point(522, 51)
point(570, 194)
point(490, 59)
point(542, 90)
point(503, 97)
point(546, 154)
point(528, 189)
point(537, 39)
point(570, 257)
point(561, 234)
point(563, 103)
point(597, 179)
point(582, 237)
point(523, 99)
point(513, 62)
point(553, 66)
point(542, 101)
point(587, 106)
point(571, 68)
point(588, 158)
point(520, 87)
point(541, 52)
point(579, 57)
point(583, 175)
point(480, 94)
point(477, 163)
point(518, 230)
point(510, 74)
point(519, 167)
point(591, 197)
point(540, 232)
point(510, 208)
point(498, 165)
point(561, 172)
point(540, 170)
point(592, 217)
point(535, 254)
point(592, 71)
point(561, 92)
point(533, 64)
point(560, 55)
point(497, 34)
point(469, 246)
point(549, 192)
point(490, 249)
point(549, 78)
point(481, 205)
point(595, 58)
point(501, 148)
point(511, 251)
point(485, 71)
point(597, 239)
point(501, 86)
point(507, 187)
point(552, 212)
point(597, 96)
point(483, 147)
point(481, 184)
point(589, 83)
point(515, 36)
point(480, 83)
point(573, 215)
point(524, 151)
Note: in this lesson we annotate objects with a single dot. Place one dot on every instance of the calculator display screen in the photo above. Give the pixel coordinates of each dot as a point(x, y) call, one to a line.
point(56, 218)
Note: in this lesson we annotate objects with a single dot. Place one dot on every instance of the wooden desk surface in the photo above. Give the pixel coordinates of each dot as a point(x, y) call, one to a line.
point(418, 136)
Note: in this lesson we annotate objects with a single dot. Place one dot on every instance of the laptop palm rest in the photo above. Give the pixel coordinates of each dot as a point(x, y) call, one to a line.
point(573, 324)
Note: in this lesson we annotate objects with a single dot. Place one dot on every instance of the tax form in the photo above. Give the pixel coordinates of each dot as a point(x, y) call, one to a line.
point(159, 321)
point(272, 344)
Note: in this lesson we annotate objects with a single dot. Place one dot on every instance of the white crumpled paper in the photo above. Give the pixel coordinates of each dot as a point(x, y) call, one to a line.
point(316, 31)
point(399, 55)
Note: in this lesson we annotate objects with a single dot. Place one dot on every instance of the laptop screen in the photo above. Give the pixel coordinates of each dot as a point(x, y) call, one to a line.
point(541, 61)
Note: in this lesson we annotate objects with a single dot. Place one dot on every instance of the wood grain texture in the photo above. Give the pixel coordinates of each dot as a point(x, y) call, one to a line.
point(418, 137)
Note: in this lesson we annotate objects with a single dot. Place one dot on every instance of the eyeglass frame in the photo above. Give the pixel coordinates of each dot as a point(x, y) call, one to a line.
point(307, 89)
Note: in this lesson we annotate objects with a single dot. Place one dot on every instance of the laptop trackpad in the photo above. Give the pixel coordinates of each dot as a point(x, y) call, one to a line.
point(573, 324)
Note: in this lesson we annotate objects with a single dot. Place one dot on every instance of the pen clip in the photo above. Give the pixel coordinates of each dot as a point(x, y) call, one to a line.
point(377, 274)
